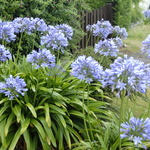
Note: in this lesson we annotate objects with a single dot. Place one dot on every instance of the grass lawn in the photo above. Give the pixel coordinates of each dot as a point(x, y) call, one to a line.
point(133, 45)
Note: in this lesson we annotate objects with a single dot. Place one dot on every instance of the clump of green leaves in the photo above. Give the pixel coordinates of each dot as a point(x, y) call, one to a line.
point(50, 115)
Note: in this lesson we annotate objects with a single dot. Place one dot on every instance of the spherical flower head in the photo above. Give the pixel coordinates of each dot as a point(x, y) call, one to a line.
point(23, 25)
point(4, 54)
point(13, 87)
point(106, 47)
point(137, 130)
point(119, 32)
point(42, 58)
point(39, 24)
point(86, 69)
point(146, 46)
point(54, 39)
point(146, 14)
point(127, 74)
point(7, 31)
point(66, 30)
point(102, 29)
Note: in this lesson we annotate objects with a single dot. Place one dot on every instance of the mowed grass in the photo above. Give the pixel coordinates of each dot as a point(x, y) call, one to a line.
point(133, 43)
point(136, 35)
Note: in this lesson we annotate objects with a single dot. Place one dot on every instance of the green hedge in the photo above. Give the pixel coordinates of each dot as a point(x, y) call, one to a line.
point(126, 12)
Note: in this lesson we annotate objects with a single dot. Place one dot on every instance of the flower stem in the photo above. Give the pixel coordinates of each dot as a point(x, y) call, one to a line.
point(19, 46)
point(84, 116)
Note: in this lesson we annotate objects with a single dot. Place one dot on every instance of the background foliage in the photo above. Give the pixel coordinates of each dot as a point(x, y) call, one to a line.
point(126, 12)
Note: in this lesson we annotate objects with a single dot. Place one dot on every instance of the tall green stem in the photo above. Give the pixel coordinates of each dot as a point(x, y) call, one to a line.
point(88, 113)
point(19, 46)
point(122, 112)
point(84, 114)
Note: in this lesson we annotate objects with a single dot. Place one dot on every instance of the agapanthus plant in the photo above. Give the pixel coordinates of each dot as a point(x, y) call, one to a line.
point(4, 53)
point(106, 47)
point(54, 39)
point(42, 58)
point(13, 87)
point(86, 69)
point(101, 29)
point(146, 46)
point(136, 130)
point(7, 32)
point(119, 32)
point(127, 74)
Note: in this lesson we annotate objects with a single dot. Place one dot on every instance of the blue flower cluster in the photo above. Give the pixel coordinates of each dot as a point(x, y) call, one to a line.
point(86, 69)
point(42, 58)
point(29, 25)
point(66, 30)
point(127, 74)
point(54, 39)
point(101, 28)
point(7, 32)
point(137, 130)
point(146, 46)
point(13, 86)
point(119, 32)
point(107, 47)
point(118, 41)
point(146, 14)
point(4, 53)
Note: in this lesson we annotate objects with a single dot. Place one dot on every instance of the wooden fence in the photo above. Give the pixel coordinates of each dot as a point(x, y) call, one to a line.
point(92, 17)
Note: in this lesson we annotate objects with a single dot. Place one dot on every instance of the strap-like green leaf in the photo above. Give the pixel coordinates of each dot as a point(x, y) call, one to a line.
point(2, 110)
point(27, 138)
point(39, 128)
point(15, 139)
point(8, 123)
point(49, 131)
point(57, 109)
point(24, 125)
point(47, 114)
point(17, 111)
point(31, 108)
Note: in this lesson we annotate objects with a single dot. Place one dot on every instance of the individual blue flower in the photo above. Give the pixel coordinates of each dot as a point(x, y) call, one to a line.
point(146, 14)
point(102, 29)
point(106, 47)
point(86, 69)
point(127, 74)
point(54, 39)
point(13, 86)
point(119, 32)
point(7, 32)
point(42, 58)
point(146, 46)
point(136, 130)
point(4, 53)
point(66, 30)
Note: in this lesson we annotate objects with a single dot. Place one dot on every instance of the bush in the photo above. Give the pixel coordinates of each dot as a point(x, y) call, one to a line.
point(127, 12)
